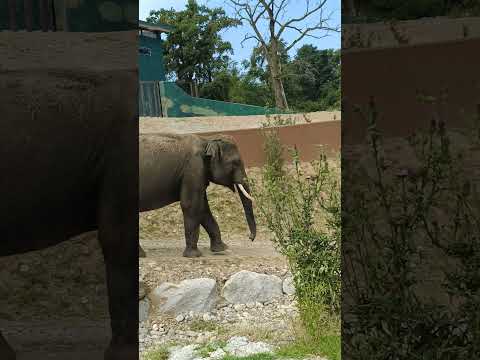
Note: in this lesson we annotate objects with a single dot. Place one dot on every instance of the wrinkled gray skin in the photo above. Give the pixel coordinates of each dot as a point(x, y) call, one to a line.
point(69, 150)
point(179, 168)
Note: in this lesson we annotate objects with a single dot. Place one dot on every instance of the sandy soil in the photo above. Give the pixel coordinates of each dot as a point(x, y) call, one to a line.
point(59, 50)
point(359, 37)
point(223, 123)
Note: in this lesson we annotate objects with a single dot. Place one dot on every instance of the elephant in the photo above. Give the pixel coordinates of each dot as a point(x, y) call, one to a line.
point(176, 167)
point(69, 149)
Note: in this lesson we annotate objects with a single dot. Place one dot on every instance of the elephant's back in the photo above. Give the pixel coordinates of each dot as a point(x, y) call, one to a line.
point(166, 143)
point(59, 129)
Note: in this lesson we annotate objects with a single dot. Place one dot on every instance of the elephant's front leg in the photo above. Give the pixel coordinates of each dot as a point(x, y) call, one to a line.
point(192, 208)
point(211, 227)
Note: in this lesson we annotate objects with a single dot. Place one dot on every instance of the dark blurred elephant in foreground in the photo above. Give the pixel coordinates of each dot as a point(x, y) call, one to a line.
point(179, 168)
point(69, 150)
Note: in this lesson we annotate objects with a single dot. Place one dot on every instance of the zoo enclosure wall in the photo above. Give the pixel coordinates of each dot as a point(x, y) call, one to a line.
point(396, 76)
point(309, 139)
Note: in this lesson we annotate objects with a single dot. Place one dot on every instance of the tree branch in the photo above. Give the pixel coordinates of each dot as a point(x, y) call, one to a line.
point(307, 14)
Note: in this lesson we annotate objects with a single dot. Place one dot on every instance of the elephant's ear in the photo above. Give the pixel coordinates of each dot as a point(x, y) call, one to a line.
point(213, 149)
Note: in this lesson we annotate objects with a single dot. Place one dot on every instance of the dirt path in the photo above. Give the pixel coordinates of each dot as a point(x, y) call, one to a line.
point(164, 261)
point(59, 340)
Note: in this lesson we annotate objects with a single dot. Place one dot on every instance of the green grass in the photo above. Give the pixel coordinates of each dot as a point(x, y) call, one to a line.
point(206, 349)
point(328, 346)
point(160, 353)
point(202, 325)
point(265, 356)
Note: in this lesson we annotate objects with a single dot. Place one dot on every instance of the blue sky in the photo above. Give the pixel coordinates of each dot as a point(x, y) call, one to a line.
point(236, 35)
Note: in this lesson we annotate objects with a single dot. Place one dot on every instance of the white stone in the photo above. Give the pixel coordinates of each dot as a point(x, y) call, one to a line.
point(184, 353)
point(218, 354)
point(246, 286)
point(180, 318)
point(288, 286)
point(240, 346)
point(193, 295)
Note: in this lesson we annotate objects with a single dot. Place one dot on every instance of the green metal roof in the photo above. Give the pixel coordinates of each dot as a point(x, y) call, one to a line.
point(143, 25)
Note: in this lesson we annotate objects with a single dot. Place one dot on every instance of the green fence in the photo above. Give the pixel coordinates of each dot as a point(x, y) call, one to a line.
point(177, 103)
point(71, 15)
point(149, 102)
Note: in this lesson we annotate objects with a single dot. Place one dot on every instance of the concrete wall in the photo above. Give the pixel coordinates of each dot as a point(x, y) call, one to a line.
point(395, 75)
point(307, 138)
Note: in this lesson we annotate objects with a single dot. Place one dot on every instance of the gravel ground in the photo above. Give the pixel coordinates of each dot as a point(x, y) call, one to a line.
point(276, 327)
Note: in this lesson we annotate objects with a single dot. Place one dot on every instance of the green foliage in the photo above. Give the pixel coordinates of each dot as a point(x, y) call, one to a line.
point(264, 356)
point(160, 353)
point(195, 53)
point(326, 346)
point(303, 212)
point(312, 79)
point(194, 49)
point(385, 220)
point(202, 325)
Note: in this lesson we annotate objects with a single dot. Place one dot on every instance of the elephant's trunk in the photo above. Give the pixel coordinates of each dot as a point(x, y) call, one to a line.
point(244, 193)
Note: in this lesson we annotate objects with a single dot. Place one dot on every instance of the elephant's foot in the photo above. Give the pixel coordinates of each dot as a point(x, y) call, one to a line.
point(192, 253)
point(6, 351)
point(218, 247)
point(121, 352)
point(141, 253)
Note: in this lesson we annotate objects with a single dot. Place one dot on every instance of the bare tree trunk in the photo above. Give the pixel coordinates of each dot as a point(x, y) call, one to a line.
point(276, 77)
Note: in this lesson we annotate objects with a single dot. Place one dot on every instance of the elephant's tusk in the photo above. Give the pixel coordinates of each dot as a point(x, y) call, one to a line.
point(244, 192)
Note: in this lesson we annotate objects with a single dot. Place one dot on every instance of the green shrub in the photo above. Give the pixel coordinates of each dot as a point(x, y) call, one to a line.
point(389, 214)
point(301, 206)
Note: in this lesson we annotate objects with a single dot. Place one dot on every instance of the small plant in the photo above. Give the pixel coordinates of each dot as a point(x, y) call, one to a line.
point(202, 325)
point(278, 120)
point(265, 356)
point(301, 206)
point(387, 219)
point(160, 353)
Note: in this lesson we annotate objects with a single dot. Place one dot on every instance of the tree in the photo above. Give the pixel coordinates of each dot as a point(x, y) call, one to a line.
point(194, 50)
point(312, 79)
point(273, 15)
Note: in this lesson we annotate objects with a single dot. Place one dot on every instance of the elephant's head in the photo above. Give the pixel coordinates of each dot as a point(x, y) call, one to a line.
point(225, 167)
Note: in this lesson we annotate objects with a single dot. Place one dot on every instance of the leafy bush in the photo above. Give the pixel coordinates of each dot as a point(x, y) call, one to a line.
point(301, 206)
point(386, 220)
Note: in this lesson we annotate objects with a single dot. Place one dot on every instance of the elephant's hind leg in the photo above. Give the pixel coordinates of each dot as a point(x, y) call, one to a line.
point(213, 230)
point(6, 351)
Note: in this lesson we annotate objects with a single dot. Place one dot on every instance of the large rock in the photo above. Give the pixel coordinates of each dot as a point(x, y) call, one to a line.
point(288, 286)
point(197, 295)
point(249, 287)
point(183, 353)
point(240, 346)
point(143, 310)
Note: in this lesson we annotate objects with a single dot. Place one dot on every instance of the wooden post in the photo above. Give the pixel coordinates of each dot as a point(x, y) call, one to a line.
point(12, 13)
point(28, 12)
